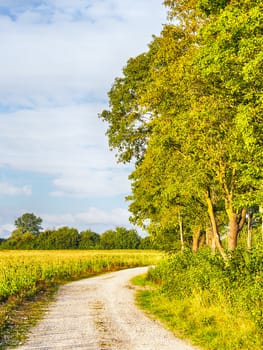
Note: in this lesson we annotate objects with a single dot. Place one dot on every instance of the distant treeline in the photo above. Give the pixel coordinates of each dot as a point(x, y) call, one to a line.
point(71, 238)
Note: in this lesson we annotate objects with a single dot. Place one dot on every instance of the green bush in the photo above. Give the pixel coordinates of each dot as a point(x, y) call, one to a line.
point(238, 285)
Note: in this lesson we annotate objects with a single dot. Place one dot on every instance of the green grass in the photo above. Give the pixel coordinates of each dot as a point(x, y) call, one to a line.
point(18, 315)
point(211, 328)
point(140, 280)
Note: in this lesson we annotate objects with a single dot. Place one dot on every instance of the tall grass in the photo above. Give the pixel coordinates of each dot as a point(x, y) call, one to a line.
point(217, 306)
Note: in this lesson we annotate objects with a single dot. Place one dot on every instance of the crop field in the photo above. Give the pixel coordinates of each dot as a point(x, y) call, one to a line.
point(22, 273)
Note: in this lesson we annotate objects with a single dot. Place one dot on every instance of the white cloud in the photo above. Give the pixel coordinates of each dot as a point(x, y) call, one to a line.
point(7, 189)
point(58, 60)
point(66, 59)
point(66, 142)
point(93, 183)
point(6, 229)
point(93, 216)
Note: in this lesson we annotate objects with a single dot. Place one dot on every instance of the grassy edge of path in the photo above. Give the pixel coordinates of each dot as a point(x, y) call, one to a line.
point(19, 314)
point(212, 328)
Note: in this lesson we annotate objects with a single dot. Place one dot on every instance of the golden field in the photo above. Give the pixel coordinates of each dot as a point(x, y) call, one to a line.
point(22, 272)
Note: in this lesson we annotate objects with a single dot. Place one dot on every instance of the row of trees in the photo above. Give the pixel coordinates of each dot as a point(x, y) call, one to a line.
point(188, 113)
point(29, 235)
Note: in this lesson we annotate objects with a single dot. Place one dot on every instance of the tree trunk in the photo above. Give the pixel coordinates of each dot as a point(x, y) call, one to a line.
point(235, 226)
point(181, 231)
point(249, 231)
point(208, 236)
point(261, 212)
point(215, 236)
point(213, 244)
point(202, 239)
point(196, 236)
point(233, 232)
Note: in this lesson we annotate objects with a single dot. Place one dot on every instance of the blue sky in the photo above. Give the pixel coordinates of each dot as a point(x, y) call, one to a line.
point(58, 60)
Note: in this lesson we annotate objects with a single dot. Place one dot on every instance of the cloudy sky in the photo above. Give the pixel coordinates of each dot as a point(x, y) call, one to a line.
point(58, 60)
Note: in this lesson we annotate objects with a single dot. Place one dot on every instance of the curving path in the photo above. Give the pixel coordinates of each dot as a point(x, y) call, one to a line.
point(99, 314)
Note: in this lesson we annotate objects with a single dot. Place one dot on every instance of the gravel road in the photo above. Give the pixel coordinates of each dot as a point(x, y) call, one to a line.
point(99, 314)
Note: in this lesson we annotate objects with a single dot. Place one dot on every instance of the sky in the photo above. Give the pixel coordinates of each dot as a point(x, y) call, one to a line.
point(58, 60)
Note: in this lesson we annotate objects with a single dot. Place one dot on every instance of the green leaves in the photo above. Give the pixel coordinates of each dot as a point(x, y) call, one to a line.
point(190, 112)
point(29, 222)
point(212, 6)
point(127, 118)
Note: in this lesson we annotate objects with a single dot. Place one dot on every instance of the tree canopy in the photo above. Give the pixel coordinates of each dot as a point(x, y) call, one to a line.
point(29, 222)
point(189, 111)
point(70, 238)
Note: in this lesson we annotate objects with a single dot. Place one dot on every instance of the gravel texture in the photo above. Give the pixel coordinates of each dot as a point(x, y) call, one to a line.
point(99, 314)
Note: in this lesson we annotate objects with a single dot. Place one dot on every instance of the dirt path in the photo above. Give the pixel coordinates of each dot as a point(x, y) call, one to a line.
point(99, 314)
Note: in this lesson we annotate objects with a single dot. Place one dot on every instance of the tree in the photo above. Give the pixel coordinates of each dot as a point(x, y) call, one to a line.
point(108, 240)
point(61, 238)
point(229, 61)
point(218, 141)
point(127, 118)
point(20, 240)
point(120, 238)
point(170, 188)
point(156, 88)
point(230, 67)
point(193, 104)
point(45, 240)
point(89, 240)
point(146, 243)
point(126, 239)
point(29, 222)
point(168, 168)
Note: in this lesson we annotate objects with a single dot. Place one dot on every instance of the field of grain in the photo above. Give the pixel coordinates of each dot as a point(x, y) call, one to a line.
point(22, 273)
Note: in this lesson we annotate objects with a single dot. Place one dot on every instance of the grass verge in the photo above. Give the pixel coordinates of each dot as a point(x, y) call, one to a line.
point(210, 328)
point(18, 315)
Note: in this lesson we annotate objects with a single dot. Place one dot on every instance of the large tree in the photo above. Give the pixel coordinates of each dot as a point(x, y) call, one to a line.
point(89, 240)
point(127, 118)
point(230, 63)
point(29, 222)
point(120, 238)
point(190, 111)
